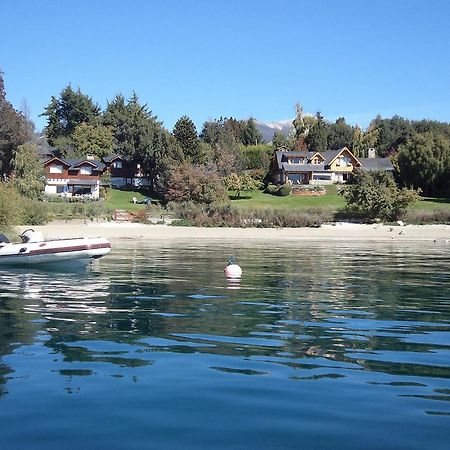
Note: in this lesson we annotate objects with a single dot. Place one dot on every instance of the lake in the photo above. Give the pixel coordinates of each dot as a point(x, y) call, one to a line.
point(320, 345)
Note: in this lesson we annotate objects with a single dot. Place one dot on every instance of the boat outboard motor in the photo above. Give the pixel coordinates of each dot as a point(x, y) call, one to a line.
point(31, 236)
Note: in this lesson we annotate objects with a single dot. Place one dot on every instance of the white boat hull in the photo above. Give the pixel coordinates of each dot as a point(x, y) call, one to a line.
point(54, 252)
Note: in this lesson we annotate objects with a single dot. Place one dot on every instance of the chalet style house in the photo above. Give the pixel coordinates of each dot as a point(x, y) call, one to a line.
point(330, 166)
point(83, 177)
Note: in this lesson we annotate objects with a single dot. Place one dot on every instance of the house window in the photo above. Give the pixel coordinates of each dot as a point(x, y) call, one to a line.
point(322, 176)
point(56, 168)
point(81, 190)
point(316, 160)
point(295, 178)
point(86, 170)
point(117, 164)
point(296, 160)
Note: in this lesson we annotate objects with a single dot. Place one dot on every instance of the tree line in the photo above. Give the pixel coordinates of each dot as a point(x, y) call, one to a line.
point(77, 126)
point(418, 149)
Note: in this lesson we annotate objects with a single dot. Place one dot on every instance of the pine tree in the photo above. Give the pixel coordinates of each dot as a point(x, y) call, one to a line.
point(316, 139)
point(66, 113)
point(185, 133)
point(251, 134)
point(14, 131)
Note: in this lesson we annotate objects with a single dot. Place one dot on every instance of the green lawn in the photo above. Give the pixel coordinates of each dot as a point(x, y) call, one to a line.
point(332, 200)
point(117, 199)
point(431, 204)
point(258, 199)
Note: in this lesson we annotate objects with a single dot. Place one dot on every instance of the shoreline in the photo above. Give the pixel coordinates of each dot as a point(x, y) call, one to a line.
point(328, 232)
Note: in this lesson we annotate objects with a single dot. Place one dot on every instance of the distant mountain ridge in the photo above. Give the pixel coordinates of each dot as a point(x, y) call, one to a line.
point(268, 129)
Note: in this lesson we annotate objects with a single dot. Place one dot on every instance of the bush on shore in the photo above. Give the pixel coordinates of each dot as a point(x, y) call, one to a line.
point(190, 214)
point(437, 216)
point(283, 190)
point(18, 210)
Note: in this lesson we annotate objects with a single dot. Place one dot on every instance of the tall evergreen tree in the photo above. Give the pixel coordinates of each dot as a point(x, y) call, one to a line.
point(424, 163)
point(393, 133)
point(93, 139)
point(226, 153)
point(251, 135)
point(185, 133)
point(317, 136)
point(280, 140)
point(142, 138)
point(340, 134)
point(302, 128)
point(363, 140)
point(65, 113)
point(14, 131)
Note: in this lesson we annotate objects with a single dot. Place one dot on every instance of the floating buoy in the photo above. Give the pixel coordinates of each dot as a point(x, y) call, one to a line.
point(232, 270)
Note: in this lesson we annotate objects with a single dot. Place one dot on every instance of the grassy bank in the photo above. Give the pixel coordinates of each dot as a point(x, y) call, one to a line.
point(117, 199)
point(260, 200)
point(331, 201)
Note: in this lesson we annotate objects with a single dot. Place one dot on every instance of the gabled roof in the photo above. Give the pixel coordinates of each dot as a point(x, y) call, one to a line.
point(312, 154)
point(55, 158)
point(331, 155)
point(111, 158)
point(283, 155)
point(77, 163)
point(373, 164)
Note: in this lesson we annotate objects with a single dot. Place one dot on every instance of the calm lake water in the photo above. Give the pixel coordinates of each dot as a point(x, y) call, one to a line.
point(320, 345)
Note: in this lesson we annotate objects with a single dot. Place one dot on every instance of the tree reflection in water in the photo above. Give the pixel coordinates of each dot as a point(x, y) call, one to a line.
point(318, 310)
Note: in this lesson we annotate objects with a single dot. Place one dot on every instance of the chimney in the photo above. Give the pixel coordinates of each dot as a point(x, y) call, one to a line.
point(371, 153)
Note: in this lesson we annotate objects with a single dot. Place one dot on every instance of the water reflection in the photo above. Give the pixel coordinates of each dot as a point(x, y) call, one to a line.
point(375, 315)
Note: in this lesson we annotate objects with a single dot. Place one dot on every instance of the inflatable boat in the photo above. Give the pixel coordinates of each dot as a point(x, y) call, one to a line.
point(36, 251)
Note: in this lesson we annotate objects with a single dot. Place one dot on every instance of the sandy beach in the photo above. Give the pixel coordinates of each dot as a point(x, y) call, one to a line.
point(337, 231)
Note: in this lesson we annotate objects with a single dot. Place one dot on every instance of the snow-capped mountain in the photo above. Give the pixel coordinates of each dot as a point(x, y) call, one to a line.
point(268, 129)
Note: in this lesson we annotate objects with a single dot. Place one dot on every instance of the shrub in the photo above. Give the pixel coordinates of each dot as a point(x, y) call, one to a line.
point(258, 174)
point(242, 182)
point(195, 183)
point(10, 205)
point(140, 216)
point(376, 196)
point(35, 212)
point(284, 190)
point(424, 216)
point(189, 214)
point(271, 189)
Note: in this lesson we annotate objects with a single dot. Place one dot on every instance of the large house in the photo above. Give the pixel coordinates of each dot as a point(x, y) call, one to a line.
point(83, 177)
point(330, 166)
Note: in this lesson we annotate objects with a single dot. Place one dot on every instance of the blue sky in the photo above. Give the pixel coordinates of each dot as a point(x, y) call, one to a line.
point(237, 58)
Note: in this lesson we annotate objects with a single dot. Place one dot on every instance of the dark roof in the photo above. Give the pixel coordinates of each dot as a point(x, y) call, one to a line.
point(46, 150)
point(76, 163)
point(329, 155)
point(283, 155)
point(373, 164)
point(50, 159)
point(110, 158)
point(289, 168)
